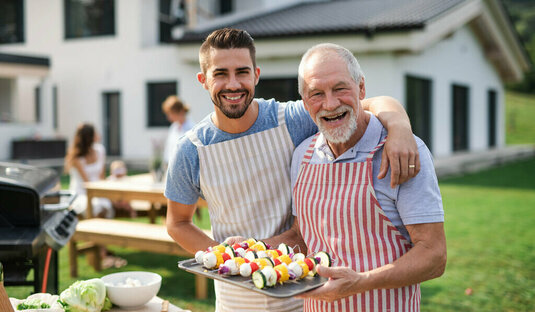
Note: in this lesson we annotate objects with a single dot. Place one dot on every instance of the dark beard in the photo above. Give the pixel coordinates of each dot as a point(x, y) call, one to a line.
point(234, 113)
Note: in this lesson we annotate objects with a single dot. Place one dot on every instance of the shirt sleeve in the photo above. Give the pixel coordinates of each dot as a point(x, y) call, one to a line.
point(419, 200)
point(183, 181)
point(299, 123)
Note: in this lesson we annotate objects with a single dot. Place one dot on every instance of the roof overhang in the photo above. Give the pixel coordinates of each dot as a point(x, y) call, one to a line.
point(16, 65)
point(486, 18)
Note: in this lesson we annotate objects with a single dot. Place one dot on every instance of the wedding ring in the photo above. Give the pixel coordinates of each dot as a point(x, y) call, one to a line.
point(412, 166)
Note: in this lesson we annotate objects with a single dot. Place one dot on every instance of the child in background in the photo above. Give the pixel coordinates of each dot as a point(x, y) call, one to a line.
point(117, 172)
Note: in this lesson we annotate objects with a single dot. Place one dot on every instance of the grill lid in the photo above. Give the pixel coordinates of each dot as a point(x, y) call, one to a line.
point(40, 180)
point(21, 190)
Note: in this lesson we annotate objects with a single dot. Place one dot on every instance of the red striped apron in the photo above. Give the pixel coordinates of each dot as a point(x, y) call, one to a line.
point(338, 213)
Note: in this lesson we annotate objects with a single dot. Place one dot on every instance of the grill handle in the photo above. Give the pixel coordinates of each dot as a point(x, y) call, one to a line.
point(62, 205)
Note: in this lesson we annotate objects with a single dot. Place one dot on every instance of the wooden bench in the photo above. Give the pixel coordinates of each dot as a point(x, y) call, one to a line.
point(98, 232)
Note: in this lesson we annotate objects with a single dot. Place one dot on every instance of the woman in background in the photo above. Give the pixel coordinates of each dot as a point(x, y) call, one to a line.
point(85, 162)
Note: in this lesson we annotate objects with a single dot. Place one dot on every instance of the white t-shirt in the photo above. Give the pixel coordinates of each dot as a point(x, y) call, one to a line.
point(92, 171)
point(174, 133)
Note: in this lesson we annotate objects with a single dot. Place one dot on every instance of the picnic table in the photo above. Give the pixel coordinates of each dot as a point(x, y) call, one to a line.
point(96, 233)
point(135, 187)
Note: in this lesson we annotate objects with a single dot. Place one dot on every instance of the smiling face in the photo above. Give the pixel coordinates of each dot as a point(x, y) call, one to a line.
point(230, 78)
point(332, 97)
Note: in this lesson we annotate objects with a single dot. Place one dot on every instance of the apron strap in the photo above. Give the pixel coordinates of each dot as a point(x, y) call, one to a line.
point(310, 151)
point(192, 136)
point(281, 113)
point(370, 155)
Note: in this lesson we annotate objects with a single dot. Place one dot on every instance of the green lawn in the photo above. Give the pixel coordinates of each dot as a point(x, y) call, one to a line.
point(489, 229)
point(520, 112)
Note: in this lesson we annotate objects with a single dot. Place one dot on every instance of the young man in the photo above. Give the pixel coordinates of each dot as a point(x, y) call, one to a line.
point(383, 241)
point(238, 159)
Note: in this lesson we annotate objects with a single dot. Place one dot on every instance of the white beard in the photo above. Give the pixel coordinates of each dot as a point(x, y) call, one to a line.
point(340, 134)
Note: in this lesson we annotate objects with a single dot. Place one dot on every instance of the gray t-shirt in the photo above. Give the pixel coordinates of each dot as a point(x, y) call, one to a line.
point(183, 180)
point(413, 202)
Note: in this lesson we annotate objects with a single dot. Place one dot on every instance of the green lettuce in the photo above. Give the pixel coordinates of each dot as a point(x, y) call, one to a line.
point(85, 296)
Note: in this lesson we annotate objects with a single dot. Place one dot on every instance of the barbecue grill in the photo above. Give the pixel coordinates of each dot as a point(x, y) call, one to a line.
point(35, 222)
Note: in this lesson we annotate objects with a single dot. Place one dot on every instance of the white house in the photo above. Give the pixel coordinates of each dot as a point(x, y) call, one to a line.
point(113, 62)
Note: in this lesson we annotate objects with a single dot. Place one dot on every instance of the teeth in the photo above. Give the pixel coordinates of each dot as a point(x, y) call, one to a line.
point(333, 117)
point(233, 98)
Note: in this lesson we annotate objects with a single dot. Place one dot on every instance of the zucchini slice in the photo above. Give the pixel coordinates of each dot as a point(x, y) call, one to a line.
point(324, 258)
point(259, 279)
point(284, 248)
point(250, 255)
point(230, 251)
point(298, 256)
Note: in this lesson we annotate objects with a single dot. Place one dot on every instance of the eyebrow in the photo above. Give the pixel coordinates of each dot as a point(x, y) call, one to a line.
point(237, 69)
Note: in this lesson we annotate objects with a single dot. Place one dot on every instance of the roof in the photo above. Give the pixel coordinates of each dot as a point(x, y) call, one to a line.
point(317, 18)
point(24, 60)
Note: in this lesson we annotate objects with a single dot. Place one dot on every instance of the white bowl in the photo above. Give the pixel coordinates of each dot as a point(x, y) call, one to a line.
point(128, 296)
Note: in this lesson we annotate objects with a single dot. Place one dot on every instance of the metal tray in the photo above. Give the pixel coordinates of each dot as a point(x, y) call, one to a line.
point(288, 289)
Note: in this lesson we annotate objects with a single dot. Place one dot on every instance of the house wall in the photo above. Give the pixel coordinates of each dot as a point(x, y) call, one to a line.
point(82, 69)
point(458, 59)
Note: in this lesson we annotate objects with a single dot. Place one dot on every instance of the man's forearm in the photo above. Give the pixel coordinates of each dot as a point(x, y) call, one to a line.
point(190, 237)
point(389, 111)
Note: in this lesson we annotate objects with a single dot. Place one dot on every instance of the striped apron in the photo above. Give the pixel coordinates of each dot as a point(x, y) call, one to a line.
point(246, 183)
point(338, 213)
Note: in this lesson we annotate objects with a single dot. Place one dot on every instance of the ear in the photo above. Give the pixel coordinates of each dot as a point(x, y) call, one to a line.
point(362, 89)
point(201, 77)
point(257, 75)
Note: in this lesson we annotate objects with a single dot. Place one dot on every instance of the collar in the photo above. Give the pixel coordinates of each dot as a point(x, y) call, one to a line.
point(366, 144)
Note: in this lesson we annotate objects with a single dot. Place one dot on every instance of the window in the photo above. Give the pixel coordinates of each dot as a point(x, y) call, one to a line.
point(37, 104)
point(157, 92)
point(7, 113)
point(491, 95)
point(172, 13)
point(55, 108)
point(225, 6)
point(418, 101)
point(282, 89)
point(460, 116)
point(89, 18)
point(112, 123)
point(11, 21)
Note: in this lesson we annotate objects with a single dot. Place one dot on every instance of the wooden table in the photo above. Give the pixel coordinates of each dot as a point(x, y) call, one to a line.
point(155, 305)
point(135, 187)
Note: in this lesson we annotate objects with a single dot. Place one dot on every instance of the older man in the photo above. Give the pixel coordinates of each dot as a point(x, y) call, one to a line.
point(238, 159)
point(383, 240)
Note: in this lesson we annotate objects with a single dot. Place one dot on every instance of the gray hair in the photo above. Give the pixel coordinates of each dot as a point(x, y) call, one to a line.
point(352, 64)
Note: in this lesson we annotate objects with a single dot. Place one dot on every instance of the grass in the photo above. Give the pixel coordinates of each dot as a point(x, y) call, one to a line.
point(489, 229)
point(520, 111)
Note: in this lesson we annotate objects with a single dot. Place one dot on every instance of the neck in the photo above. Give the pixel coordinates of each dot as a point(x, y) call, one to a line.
point(339, 148)
point(236, 125)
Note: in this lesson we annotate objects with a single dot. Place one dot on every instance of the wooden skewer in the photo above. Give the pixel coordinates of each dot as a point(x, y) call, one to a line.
point(165, 306)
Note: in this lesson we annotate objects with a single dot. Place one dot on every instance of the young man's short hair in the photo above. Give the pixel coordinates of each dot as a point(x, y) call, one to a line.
point(226, 38)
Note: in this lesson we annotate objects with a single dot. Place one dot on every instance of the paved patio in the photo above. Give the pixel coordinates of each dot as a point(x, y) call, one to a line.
point(462, 163)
